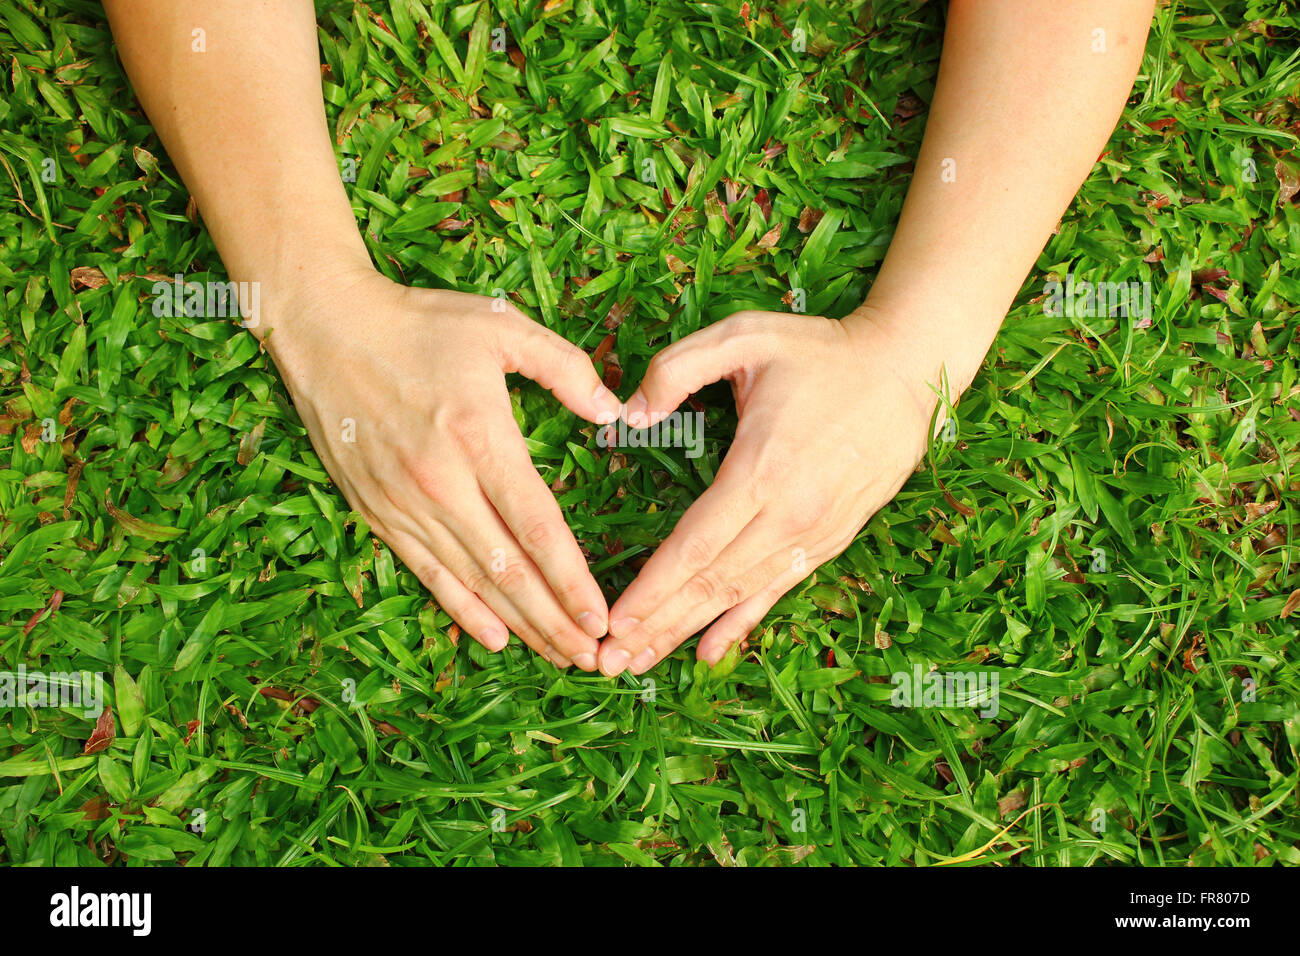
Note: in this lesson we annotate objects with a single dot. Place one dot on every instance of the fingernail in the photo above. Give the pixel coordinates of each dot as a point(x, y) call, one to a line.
point(609, 405)
point(615, 662)
point(591, 622)
point(637, 408)
point(493, 638)
point(644, 661)
point(558, 659)
point(586, 661)
point(623, 626)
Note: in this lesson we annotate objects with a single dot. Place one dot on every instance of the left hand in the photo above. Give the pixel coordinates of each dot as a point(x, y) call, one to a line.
point(833, 420)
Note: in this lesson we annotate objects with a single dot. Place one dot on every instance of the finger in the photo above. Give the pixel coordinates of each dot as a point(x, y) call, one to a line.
point(719, 351)
point(530, 511)
point(663, 643)
point(465, 607)
point(501, 567)
point(556, 364)
point(741, 620)
point(469, 537)
point(707, 527)
point(734, 575)
point(463, 570)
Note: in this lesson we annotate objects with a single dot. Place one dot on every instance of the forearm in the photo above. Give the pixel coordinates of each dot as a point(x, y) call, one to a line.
point(243, 121)
point(1026, 99)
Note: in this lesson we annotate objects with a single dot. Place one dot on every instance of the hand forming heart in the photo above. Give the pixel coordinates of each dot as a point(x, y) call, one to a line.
point(412, 418)
point(833, 419)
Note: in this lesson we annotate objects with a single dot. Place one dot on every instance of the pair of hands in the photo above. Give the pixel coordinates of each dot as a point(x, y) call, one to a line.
point(410, 414)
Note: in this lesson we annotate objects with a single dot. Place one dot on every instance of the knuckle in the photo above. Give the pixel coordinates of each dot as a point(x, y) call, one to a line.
point(798, 520)
point(701, 588)
point(662, 370)
point(568, 590)
point(697, 552)
point(730, 595)
point(476, 580)
point(817, 499)
point(495, 310)
point(431, 576)
point(558, 636)
point(424, 474)
point(748, 323)
point(470, 434)
point(511, 579)
point(707, 588)
point(571, 361)
point(669, 638)
point(814, 505)
point(509, 311)
point(537, 534)
point(755, 334)
point(426, 571)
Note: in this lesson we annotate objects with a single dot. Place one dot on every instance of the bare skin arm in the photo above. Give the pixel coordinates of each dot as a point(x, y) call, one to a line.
point(432, 459)
point(834, 416)
point(1028, 95)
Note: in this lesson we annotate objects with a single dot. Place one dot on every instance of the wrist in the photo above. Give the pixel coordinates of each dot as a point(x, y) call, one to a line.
point(940, 349)
point(303, 284)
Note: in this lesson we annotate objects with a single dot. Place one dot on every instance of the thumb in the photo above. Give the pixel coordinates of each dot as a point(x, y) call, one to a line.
point(716, 352)
point(559, 366)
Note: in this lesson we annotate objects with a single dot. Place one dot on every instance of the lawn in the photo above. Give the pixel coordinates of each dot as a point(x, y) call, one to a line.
point(1111, 530)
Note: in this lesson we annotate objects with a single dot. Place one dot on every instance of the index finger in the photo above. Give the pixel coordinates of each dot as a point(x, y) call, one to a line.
point(527, 506)
point(710, 524)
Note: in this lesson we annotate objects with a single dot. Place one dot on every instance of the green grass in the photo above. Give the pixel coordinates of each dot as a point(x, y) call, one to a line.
point(300, 689)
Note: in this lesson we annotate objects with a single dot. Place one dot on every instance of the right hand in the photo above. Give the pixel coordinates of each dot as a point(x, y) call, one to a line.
point(434, 461)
